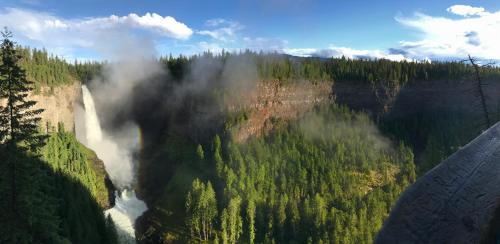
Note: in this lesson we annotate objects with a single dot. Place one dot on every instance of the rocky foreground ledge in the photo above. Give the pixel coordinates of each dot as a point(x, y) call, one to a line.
point(456, 202)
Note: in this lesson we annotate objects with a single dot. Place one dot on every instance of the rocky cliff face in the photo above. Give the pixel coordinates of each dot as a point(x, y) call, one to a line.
point(270, 102)
point(59, 107)
point(58, 104)
point(393, 100)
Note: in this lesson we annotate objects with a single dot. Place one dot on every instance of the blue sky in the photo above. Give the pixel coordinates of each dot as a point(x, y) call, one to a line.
point(390, 29)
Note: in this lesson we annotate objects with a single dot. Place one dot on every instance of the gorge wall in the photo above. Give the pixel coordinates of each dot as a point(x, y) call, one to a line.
point(402, 100)
point(272, 101)
point(58, 104)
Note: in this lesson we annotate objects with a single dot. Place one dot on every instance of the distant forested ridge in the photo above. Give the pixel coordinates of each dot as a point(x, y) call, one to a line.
point(289, 68)
point(50, 70)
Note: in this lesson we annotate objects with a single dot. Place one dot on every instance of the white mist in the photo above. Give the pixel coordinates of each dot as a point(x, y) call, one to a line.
point(119, 165)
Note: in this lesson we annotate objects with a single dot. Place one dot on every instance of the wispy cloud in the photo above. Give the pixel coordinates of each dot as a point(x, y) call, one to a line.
point(476, 33)
point(222, 30)
point(264, 43)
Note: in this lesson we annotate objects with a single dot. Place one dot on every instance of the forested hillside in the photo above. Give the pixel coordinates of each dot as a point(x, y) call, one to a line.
point(52, 188)
point(289, 68)
point(62, 196)
point(45, 69)
point(329, 177)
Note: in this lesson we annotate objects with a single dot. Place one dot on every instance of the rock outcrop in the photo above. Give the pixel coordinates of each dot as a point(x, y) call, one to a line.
point(388, 99)
point(453, 203)
point(59, 107)
point(272, 101)
point(58, 104)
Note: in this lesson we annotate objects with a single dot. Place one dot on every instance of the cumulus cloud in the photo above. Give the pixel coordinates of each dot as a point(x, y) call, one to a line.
point(466, 10)
point(475, 33)
point(51, 31)
point(222, 30)
point(443, 37)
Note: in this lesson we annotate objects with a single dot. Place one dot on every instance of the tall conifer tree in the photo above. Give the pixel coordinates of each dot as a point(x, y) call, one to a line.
point(28, 214)
point(18, 121)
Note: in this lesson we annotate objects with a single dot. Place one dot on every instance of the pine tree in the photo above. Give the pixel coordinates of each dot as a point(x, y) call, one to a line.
point(201, 209)
point(18, 123)
point(251, 221)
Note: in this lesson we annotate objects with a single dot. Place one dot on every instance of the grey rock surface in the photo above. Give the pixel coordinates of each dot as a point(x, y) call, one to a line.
point(452, 203)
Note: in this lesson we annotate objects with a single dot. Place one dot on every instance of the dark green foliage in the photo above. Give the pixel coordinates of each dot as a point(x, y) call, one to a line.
point(18, 122)
point(433, 135)
point(382, 70)
point(45, 69)
point(29, 210)
point(329, 177)
point(48, 70)
point(79, 210)
point(22, 183)
point(288, 68)
point(112, 235)
point(67, 156)
point(50, 201)
point(54, 204)
point(201, 210)
point(85, 71)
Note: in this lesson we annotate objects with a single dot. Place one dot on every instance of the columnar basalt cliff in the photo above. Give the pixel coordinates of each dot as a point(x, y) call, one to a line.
point(58, 104)
point(399, 100)
point(271, 100)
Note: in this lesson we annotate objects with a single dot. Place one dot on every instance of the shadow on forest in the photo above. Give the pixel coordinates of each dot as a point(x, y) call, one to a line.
point(50, 206)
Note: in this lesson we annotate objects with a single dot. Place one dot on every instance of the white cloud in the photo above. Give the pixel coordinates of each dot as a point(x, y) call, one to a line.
point(466, 10)
point(443, 37)
point(300, 52)
point(48, 30)
point(337, 52)
point(222, 30)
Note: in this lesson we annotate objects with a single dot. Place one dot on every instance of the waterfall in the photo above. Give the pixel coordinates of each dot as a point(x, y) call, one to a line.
point(118, 162)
